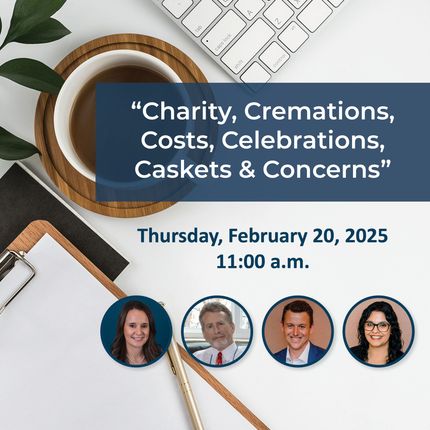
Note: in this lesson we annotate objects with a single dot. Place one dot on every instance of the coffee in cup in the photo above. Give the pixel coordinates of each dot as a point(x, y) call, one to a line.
point(74, 114)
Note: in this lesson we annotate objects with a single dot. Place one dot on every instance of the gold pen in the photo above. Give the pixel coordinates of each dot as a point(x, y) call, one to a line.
point(178, 370)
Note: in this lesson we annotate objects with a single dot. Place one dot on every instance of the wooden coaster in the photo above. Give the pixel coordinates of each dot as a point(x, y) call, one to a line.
point(74, 185)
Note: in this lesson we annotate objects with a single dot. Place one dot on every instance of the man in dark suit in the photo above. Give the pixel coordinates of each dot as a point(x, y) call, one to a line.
point(297, 326)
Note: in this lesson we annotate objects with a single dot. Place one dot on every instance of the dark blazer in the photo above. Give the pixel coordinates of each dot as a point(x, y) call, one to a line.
point(315, 354)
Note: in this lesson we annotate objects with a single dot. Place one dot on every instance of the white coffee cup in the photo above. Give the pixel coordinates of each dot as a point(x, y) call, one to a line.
point(79, 77)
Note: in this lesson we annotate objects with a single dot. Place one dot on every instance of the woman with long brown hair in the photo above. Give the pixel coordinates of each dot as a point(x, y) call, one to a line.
point(135, 342)
point(379, 335)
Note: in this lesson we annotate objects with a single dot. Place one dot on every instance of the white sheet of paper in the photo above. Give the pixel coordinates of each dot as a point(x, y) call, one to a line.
point(54, 371)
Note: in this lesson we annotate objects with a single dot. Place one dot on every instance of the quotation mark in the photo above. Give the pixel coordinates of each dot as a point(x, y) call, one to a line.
point(136, 105)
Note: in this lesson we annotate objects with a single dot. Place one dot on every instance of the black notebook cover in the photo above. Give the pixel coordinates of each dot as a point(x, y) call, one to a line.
point(23, 200)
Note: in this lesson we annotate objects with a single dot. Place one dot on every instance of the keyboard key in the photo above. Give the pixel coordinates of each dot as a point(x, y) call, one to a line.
point(297, 3)
point(223, 33)
point(278, 13)
point(177, 7)
point(336, 3)
point(249, 8)
point(274, 57)
point(239, 33)
point(201, 17)
point(242, 52)
point(255, 74)
point(293, 37)
point(314, 14)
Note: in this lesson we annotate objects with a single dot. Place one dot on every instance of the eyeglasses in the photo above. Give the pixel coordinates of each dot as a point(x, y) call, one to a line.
point(382, 327)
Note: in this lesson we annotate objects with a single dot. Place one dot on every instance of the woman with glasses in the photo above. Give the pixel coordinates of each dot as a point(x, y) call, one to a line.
point(379, 335)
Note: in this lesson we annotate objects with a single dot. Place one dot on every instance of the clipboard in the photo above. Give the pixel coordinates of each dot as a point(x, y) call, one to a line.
point(37, 230)
point(24, 197)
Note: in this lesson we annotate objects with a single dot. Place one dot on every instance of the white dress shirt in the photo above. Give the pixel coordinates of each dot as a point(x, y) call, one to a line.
point(303, 357)
point(229, 354)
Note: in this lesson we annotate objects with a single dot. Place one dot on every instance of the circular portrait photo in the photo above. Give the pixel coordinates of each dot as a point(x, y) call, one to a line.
point(297, 331)
point(136, 331)
point(217, 331)
point(378, 331)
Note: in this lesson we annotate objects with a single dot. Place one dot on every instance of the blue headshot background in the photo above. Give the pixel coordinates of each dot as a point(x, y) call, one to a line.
point(162, 321)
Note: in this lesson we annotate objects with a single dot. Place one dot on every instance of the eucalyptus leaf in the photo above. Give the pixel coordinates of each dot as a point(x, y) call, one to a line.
point(32, 74)
point(14, 148)
point(27, 14)
point(46, 31)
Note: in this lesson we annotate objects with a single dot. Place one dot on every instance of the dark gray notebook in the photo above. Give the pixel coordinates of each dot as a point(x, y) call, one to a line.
point(23, 200)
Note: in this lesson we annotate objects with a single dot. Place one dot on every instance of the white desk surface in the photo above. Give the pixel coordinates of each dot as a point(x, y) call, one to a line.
point(369, 41)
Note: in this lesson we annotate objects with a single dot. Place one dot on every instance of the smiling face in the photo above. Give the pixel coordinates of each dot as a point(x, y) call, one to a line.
point(296, 329)
point(217, 330)
point(136, 329)
point(376, 337)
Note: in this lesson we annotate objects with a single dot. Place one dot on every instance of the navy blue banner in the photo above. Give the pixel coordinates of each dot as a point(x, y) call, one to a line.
point(288, 142)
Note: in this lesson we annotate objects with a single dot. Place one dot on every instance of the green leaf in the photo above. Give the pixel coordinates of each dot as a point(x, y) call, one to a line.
point(0, 25)
point(14, 148)
point(32, 74)
point(27, 14)
point(46, 31)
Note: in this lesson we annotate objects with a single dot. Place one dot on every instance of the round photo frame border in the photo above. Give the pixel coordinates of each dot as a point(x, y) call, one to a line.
point(251, 331)
point(387, 365)
point(127, 299)
point(298, 297)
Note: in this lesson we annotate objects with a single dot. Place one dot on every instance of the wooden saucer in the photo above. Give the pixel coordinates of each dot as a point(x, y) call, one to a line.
point(75, 186)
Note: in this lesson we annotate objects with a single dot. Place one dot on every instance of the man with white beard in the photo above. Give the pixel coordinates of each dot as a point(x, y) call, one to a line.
point(218, 329)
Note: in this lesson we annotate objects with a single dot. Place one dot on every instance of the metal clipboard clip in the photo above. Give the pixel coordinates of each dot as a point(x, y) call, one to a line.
point(8, 260)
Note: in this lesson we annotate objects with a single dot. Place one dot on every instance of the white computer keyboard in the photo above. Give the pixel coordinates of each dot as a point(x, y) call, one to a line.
point(250, 39)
